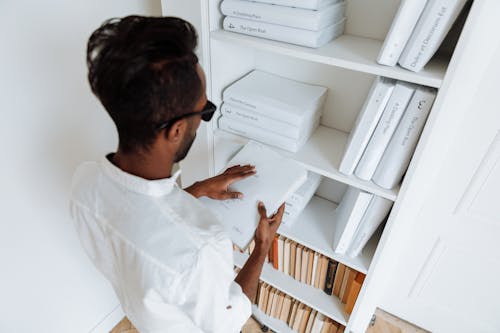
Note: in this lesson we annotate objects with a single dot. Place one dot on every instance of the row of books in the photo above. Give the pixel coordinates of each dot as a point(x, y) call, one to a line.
point(280, 20)
point(314, 269)
point(284, 117)
point(358, 216)
point(298, 316)
point(386, 132)
point(417, 31)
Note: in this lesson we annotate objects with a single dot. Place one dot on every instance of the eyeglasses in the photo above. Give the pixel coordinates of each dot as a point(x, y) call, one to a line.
point(206, 114)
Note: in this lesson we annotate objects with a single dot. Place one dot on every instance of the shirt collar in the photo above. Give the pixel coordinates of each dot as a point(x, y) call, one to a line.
point(156, 187)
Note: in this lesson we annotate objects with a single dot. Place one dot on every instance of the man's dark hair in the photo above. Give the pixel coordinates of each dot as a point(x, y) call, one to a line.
point(143, 70)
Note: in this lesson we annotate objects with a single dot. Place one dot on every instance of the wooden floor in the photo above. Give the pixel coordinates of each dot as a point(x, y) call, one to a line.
point(124, 326)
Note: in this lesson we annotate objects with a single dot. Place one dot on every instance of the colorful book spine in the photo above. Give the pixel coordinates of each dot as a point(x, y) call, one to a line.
point(290, 35)
point(385, 129)
point(401, 28)
point(286, 16)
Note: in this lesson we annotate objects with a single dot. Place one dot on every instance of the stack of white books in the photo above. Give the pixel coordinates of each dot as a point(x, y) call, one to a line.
point(417, 31)
point(311, 23)
point(386, 132)
point(277, 178)
point(296, 203)
point(272, 109)
point(357, 217)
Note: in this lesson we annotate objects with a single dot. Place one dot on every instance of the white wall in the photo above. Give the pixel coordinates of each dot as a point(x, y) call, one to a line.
point(49, 123)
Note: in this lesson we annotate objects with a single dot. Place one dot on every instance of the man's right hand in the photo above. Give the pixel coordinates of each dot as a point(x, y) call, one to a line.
point(264, 234)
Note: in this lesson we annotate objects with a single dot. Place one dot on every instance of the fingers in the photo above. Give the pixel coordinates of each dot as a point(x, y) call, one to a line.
point(262, 210)
point(230, 195)
point(239, 169)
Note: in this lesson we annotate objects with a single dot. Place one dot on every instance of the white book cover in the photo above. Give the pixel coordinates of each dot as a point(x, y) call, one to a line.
point(386, 126)
point(400, 149)
point(296, 203)
point(276, 178)
point(301, 37)
point(307, 4)
point(279, 127)
point(287, 16)
point(431, 29)
point(314, 268)
point(281, 245)
point(367, 120)
point(293, 103)
point(348, 216)
point(286, 257)
point(259, 134)
point(401, 28)
point(375, 213)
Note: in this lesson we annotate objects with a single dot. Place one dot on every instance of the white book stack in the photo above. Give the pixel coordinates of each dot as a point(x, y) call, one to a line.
point(358, 216)
point(312, 24)
point(386, 132)
point(418, 29)
point(276, 179)
point(296, 203)
point(284, 117)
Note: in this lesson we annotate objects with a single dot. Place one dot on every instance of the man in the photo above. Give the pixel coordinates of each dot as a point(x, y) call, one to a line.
point(167, 258)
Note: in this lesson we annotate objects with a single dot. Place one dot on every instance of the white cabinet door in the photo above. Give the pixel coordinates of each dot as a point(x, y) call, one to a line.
point(446, 278)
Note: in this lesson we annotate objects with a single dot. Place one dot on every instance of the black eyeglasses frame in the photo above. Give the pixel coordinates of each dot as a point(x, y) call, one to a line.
point(206, 115)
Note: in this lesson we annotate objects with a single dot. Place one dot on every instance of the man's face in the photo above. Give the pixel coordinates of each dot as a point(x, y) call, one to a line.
point(194, 122)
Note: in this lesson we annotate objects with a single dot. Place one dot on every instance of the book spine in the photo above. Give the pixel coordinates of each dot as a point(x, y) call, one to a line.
point(401, 28)
point(285, 16)
point(306, 4)
point(432, 26)
point(400, 149)
point(255, 119)
point(281, 257)
point(291, 35)
point(375, 213)
point(259, 135)
point(385, 129)
point(366, 122)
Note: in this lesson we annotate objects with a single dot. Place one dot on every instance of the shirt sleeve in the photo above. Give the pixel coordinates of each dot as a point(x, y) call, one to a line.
point(210, 297)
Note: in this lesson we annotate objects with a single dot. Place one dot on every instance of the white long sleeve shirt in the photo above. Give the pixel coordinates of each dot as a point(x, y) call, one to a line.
point(166, 256)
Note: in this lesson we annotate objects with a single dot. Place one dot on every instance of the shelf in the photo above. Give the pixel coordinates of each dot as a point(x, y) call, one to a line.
point(329, 305)
point(347, 51)
point(322, 154)
point(272, 323)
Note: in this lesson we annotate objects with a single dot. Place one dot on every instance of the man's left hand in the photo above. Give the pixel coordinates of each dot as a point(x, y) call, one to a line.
point(218, 187)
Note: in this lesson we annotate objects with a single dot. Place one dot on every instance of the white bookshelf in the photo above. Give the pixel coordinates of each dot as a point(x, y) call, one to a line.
point(313, 297)
point(350, 52)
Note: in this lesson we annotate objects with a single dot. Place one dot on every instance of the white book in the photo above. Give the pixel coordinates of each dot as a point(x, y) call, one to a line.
point(281, 33)
point(315, 267)
point(287, 16)
point(401, 28)
point(276, 178)
point(281, 245)
point(279, 127)
point(293, 103)
point(307, 4)
point(366, 122)
point(296, 203)
point(348, 215)
point(431, 29)
point(319, 321)
point(286, 257)
point(375, 213)
point(259, 134)
point(400, 149)
point(385, 129)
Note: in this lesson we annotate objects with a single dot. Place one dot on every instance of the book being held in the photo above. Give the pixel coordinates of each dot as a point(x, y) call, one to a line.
point(276, 179)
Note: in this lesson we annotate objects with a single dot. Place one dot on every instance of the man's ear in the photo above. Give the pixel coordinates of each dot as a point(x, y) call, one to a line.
point(177, 131)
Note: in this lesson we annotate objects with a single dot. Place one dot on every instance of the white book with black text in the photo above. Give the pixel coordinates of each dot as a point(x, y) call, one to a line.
point(276, 179)
point(348, 215)
point(400, 149)
point(375, 213)
point(366, 122)
point(401, 28)
point(431, 29)
point(281, 33)
point(287, 16)
point(294, 103)
point(386, 126)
